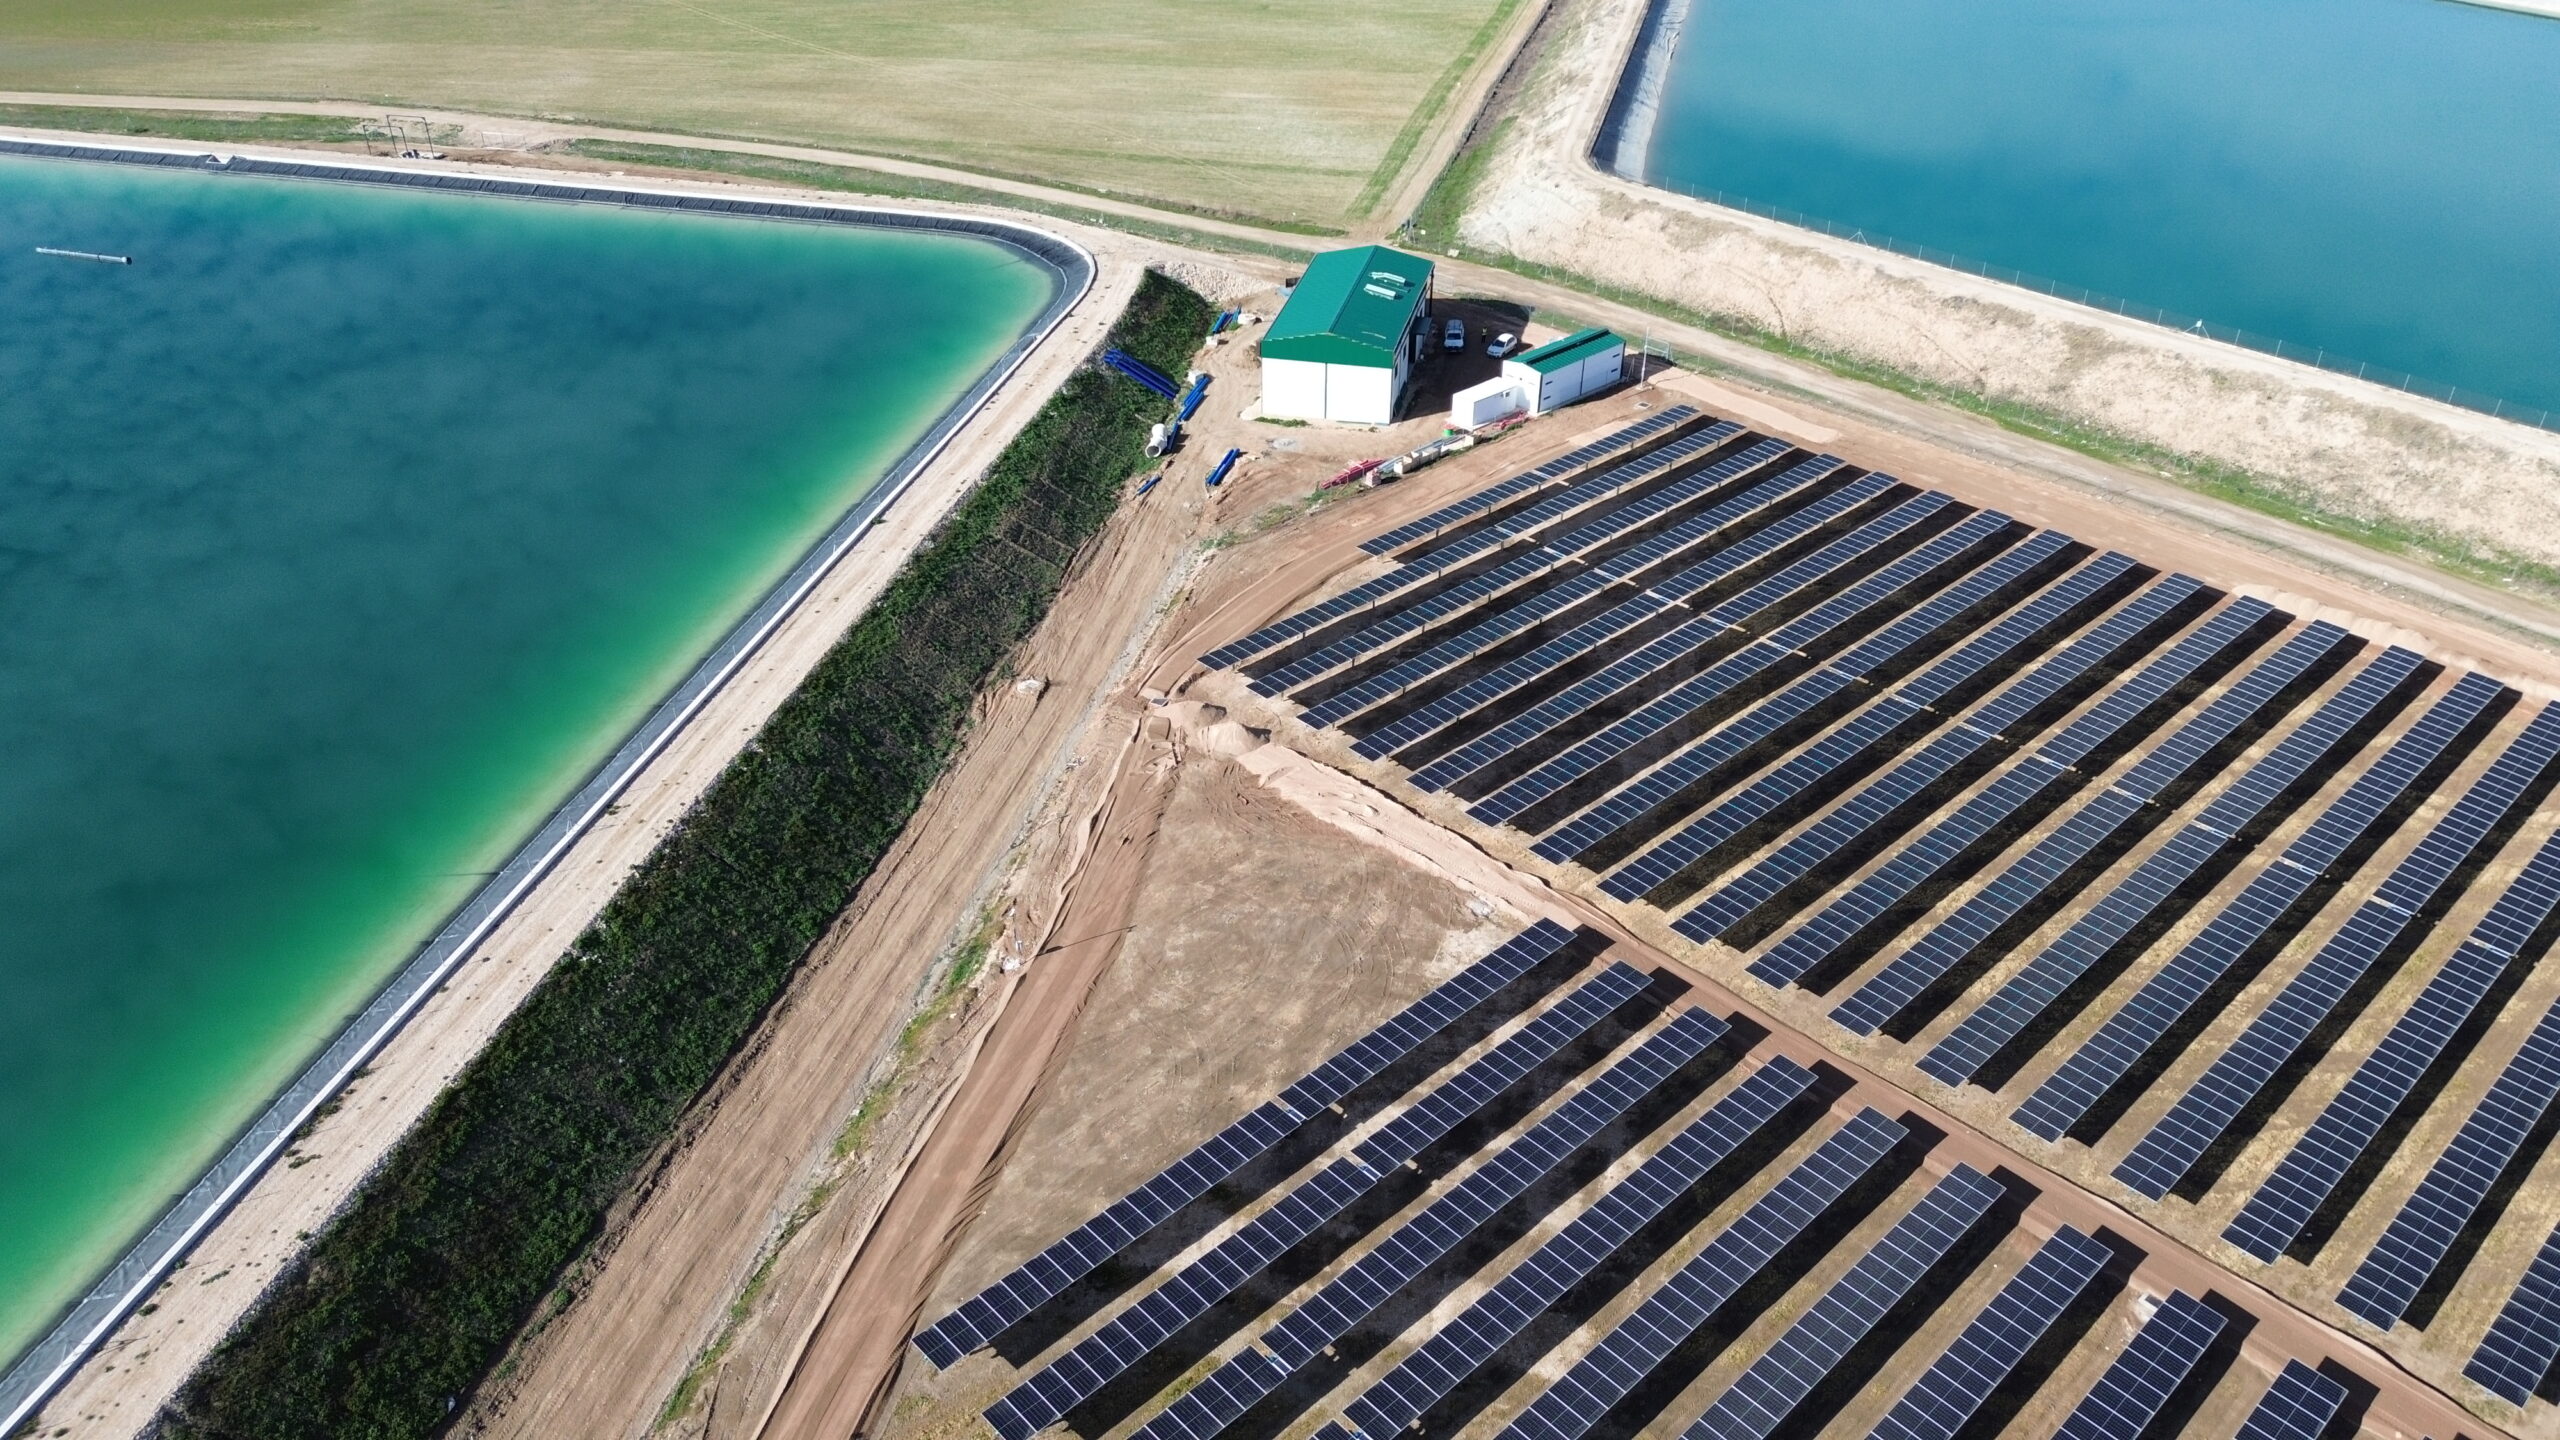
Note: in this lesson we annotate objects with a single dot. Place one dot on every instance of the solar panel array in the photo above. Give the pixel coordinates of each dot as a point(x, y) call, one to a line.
point(1761, 1399)
point(2172, 995)
point(1630, 740)
point(2299, 1406)
point(2026, 996)
point(1456, 1351)
point(2051, 769)
point(1648, 554)
point(1528, 482)
point(1958, 1382)
point(1419, 1243)
point(1000, 1306)
point(2419, 1237)
point(2524, 1340)
point(1546, 557)
point(1579, 1399)
point(1361, 597)
point(2284, 1203)
point(1189, 1294)
point(1685, 778)
point(1870, 814)
point(1659, 653)
point(1841, 751)
point(2138, 1384)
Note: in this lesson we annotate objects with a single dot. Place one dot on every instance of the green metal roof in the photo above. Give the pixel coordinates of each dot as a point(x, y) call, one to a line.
point(1350, 309)
point(1573, 349)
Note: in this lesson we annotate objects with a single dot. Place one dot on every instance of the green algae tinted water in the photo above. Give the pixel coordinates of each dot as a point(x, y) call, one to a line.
point(2376, 178)
point(341, 534)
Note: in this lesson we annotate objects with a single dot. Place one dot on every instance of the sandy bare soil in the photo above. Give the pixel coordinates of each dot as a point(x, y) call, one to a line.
point(2352, 447)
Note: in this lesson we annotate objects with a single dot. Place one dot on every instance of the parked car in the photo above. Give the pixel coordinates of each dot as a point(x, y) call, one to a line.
point(1454, 335)
point(1502, 345)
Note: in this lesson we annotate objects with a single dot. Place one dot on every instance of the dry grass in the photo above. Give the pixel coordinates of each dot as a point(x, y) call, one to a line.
point(1288, 110)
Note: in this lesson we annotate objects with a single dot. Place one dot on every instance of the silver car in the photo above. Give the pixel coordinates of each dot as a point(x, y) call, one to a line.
point(1453, 336)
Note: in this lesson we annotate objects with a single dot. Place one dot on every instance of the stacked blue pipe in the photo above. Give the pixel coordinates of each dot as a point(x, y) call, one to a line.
point(1218, 476)
point(1140, 371)
point(1191, 402)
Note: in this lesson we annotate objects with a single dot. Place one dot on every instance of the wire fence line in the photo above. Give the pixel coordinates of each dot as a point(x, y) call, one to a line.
point(2485, 404)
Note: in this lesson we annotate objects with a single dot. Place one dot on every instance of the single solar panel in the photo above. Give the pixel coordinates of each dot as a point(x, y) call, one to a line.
point(1631, 739)
point(1522, 671)
point(2299, 1406)
point(1712, 627)
point(2017, 1004)
point(2170, 996)
point(1551, 473)
point(1105, 1355)
point(2159, 1359)
point(1000, 1306)
point(1459, 1348)
point(1766, 1393)
point(1858, 818)
point(1575, 589)
point(2523, 1342)
point(2280, 1208)
point(2416, 1242)
point(1578, 1400)
point(1958, 1382)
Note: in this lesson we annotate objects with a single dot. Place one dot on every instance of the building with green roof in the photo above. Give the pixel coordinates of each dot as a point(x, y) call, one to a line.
point(1343, 347)
point(1563, 371)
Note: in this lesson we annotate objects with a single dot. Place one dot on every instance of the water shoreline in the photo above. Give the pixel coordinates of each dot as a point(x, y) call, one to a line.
point(1624, 143)
point(44, 1366)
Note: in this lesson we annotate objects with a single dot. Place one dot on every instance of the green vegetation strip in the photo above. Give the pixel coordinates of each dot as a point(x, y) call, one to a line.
point(184, 124)
point(853, 180)
point(406, 1300)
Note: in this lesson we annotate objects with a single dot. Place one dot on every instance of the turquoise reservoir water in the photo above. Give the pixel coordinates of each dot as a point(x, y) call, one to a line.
point(341, 534)
point(2376, 178)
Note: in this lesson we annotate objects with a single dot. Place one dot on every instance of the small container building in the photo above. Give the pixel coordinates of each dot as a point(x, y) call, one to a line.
point(1560, 372)
point(1343, 347)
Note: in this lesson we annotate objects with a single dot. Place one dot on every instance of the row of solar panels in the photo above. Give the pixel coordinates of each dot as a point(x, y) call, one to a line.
point(1930, 1239)
point(1583, 732)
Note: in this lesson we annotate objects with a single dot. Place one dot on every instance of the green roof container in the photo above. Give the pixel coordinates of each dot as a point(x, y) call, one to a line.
point(1573, 349)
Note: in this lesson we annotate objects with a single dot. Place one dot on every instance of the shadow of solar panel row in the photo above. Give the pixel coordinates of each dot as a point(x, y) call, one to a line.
point(2159, 1358)
point(2299, 1406)
point(997, 1308)
point(1582, 495)
point(1459, 1348)
point(1527, 669)
point(1665, 651)
point(2419, 1236)
point(1189, 1294)
point(1958, 1382)
point(1617, 569)
point(2524, 1340)
point(2027, 994)
point(1684, 779)
point(1579, 1399)
point(1886, 802)
point(2171, 995)
point(1623, 741)
point(2280, 1207)
point(1551, 473)
point(1766, 1393)
point(1330, 1313)
point(1841, 750)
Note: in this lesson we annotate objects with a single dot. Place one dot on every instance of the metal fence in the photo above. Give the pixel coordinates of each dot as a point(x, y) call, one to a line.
point(2166, 319)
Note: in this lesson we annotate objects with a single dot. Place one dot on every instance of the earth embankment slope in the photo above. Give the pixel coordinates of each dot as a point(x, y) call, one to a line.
point(2326, 441)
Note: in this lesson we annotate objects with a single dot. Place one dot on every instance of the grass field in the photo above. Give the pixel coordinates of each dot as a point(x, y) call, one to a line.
point(1289, 110)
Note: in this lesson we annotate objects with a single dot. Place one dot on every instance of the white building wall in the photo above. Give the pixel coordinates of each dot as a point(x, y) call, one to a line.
point(1293, 389)
point(1485, 402)
point(1360, 394)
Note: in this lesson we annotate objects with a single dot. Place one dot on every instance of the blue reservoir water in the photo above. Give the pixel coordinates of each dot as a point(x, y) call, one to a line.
point(2379, 179)
point(341, 534)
